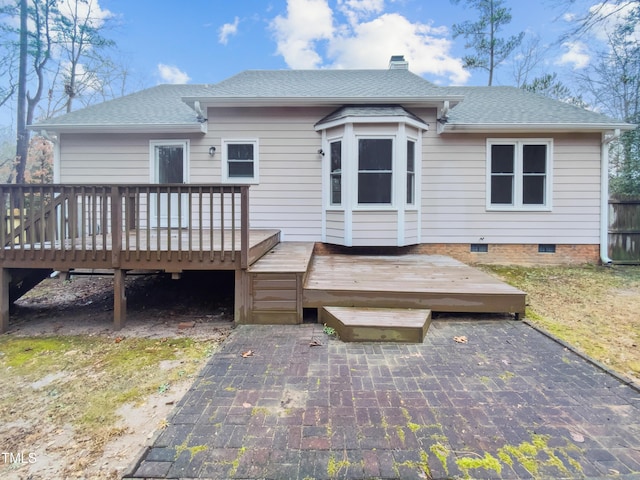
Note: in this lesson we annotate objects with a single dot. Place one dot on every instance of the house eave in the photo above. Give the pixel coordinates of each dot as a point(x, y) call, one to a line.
point(431, 101)
point(372, 120)
point(533, 127)
point(122, 128)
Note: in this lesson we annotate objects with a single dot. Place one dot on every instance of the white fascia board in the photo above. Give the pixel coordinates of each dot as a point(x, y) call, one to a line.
point(319, 101)
point(132, 128)
point(534, 127)
point(364, 119)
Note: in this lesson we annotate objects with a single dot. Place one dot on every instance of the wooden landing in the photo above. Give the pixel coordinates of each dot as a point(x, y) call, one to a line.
point(377, 324)
point(275, 284)
point(433, 282)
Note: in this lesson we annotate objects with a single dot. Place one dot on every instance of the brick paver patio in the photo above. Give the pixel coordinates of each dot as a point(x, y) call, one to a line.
point(511, 403)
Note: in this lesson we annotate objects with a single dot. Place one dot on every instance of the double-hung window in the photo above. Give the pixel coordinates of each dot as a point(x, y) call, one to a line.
point(375, 171)
point(240, 161)
point(519, 174)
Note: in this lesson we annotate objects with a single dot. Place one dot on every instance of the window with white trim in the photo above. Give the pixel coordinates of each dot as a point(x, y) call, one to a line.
point(335, 151)
point(411, 172)
point(240, 161)
point(519, 174)
point(375, 171)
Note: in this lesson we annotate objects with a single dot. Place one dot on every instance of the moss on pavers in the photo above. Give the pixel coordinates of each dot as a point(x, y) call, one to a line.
point(506, 405)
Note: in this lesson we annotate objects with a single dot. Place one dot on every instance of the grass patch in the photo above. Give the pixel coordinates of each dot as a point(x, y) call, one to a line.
point(84, 380)
point(593, 308)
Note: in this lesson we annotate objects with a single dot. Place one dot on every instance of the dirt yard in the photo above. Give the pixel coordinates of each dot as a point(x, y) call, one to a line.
point(80, 400)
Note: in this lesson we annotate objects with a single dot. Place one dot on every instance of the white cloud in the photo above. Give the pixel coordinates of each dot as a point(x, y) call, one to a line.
point(576, 55)
point(612, 16)
point(356, 10)
point(89, 10)
point(297, 34)
point(172, 74)
point(371, 44)
point(227, 30)
point(367, 39)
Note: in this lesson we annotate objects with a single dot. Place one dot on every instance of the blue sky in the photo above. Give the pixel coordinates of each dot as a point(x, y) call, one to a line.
point(205, 41)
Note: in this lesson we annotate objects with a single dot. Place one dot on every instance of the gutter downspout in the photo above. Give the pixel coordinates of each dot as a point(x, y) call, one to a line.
point(604, 195)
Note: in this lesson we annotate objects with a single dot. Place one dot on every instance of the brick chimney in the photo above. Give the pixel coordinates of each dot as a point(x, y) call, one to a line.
point(397, 62)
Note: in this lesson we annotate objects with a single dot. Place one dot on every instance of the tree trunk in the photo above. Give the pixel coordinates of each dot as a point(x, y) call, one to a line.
point(22, 140)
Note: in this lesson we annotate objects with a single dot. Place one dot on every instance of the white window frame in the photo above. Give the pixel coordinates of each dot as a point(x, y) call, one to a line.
point(393, 172)
point(412, 205)
point(153, 168)
point(256, 162)
point(518, 174)
point(341, 174)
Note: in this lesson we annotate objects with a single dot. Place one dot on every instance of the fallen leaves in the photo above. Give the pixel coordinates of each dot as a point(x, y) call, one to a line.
point(248, 353)
point(315, 343)
point(461, 339)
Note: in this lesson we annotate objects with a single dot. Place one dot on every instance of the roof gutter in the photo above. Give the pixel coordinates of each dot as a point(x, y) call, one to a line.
point(123, 128)
point(607, 138)
point(319, 101)
point(533, 127)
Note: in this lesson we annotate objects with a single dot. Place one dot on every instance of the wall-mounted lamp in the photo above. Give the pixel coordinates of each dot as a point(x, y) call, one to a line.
point(321, 152)
point(212, 151)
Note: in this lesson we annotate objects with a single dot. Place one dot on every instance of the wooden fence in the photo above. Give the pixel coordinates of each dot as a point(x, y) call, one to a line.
point(624, 229)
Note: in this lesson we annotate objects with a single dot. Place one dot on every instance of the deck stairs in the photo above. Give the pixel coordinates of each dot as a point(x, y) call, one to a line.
point(277, 282)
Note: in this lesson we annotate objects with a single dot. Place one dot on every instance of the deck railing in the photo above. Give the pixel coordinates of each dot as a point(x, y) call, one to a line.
point(89, 222)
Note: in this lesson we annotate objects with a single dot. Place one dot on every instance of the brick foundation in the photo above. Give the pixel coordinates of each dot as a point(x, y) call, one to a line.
point(499, 254)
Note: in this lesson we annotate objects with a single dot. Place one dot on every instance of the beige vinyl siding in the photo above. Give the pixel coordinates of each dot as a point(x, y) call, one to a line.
point(335, 227)
point(410, 227)
point(289, 193)
point(375, 228)
point(454, 193)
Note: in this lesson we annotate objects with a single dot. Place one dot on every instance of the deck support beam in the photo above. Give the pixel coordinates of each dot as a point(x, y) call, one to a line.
point(119, 299)
point(241, 297)
point(5, 279)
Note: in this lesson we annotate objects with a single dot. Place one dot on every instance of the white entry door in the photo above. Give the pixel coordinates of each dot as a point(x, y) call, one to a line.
point(169, 165)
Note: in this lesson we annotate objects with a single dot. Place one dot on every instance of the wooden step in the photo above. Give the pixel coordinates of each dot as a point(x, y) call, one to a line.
point(276, 282)
point(357, 324)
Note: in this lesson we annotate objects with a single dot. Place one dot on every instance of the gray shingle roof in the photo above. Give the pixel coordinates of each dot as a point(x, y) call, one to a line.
point(351, 84)
point(369, 111)
point(156, 106)
point(514, 106)
point(171, 106)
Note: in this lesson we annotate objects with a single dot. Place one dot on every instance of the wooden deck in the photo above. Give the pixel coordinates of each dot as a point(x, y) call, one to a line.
point(173, 228)
point(433, 282)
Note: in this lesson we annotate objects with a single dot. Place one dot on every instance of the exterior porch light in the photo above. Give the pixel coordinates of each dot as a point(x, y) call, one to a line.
point(212, 151)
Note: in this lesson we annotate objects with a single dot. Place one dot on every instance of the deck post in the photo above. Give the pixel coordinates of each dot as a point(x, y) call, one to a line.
point(119, 299)
point(241, 296)
point(244, 226)
point(5, 278)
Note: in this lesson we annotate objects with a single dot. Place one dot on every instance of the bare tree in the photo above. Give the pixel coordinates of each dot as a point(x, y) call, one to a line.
point(37, 45)
point(613, 82)
point(599, 13)
point(526, 59)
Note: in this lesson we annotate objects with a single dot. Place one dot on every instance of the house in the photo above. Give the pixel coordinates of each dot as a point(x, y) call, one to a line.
point(364, 158)
point(264, 171)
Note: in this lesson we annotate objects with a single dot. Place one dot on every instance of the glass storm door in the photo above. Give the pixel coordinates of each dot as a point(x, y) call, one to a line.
point(170, 166)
